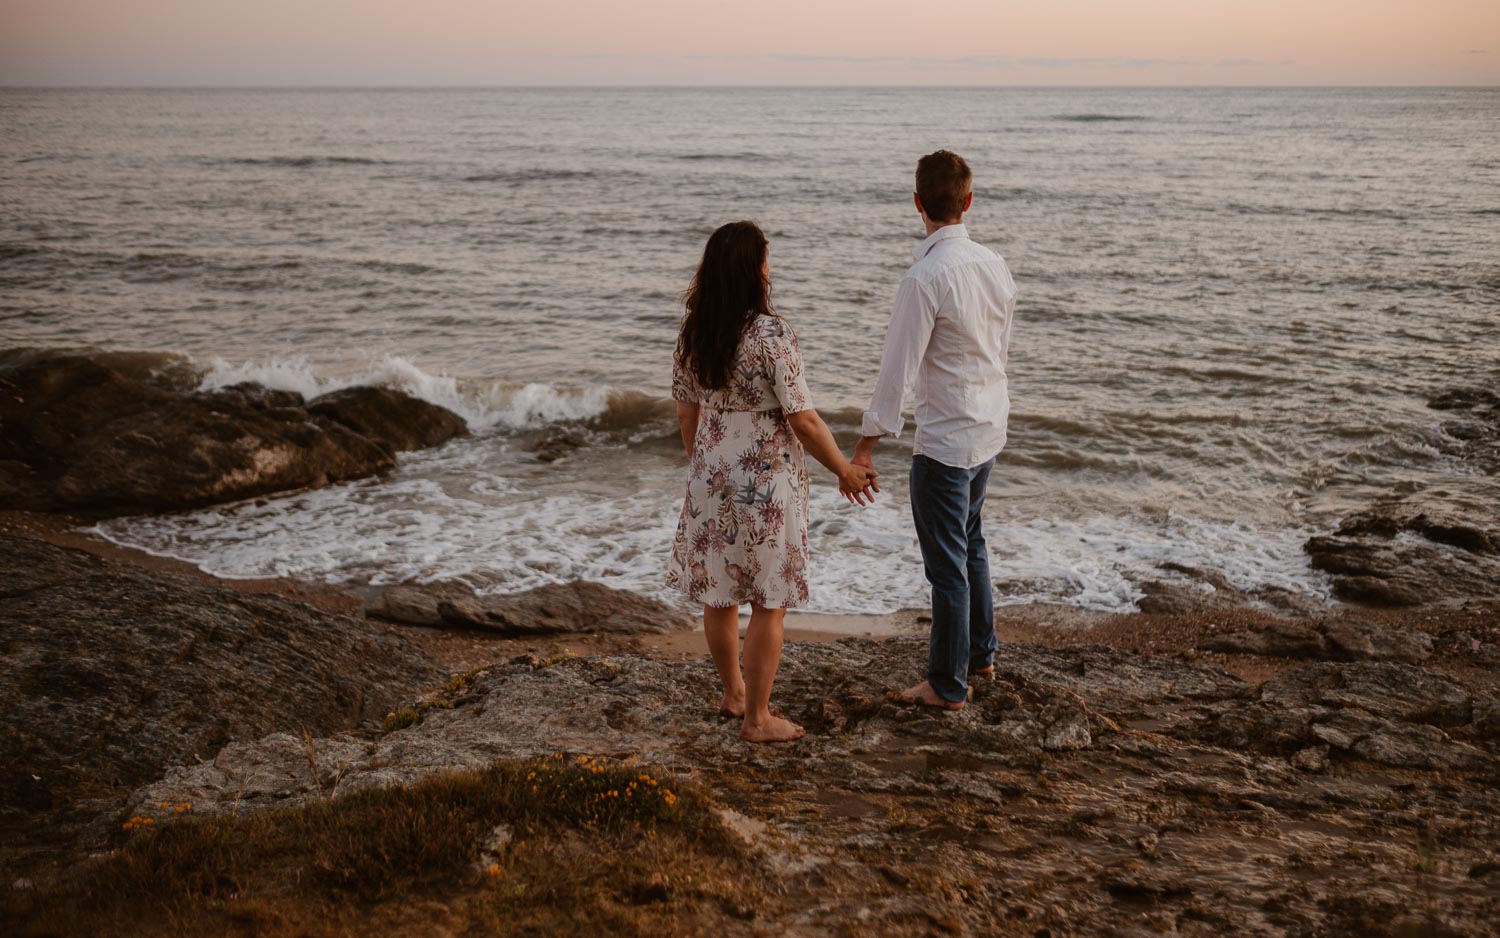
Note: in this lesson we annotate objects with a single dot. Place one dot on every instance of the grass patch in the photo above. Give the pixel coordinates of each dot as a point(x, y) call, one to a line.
point(537, 846)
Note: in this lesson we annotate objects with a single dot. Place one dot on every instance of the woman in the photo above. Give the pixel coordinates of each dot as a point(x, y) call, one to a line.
point(745, 416)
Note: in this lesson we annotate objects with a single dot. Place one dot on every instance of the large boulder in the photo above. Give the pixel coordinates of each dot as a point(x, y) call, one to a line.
point(76, 434)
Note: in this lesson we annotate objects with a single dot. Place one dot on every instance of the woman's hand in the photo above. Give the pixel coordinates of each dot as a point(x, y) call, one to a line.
point(857, 483)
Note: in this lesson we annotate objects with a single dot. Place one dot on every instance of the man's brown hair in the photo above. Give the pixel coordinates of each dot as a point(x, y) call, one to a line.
point(942, 184)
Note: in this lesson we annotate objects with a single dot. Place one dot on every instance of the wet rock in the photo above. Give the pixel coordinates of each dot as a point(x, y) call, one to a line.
point(395, 420)
point(1192, 591)
point(1185, 589)
point(1433, 543)
point(554, 443)
point(559, 608)
point(1474, 423)
point(76, 434)
point(111, 674)
point(258, 396)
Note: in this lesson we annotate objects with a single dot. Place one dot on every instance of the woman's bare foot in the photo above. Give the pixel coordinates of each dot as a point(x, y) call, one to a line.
point(733, 705)
point(924, 695)
point(773, 729)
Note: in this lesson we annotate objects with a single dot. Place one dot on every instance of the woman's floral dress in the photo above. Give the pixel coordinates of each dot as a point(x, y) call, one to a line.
point(742, 537)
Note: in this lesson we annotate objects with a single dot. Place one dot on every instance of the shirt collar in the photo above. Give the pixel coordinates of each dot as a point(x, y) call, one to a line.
point(942, 234)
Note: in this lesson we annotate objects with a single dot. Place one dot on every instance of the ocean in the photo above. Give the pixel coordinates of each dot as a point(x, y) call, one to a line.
point(1234, 305)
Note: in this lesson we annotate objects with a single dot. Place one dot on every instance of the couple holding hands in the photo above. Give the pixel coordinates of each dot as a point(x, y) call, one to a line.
point(746, 419)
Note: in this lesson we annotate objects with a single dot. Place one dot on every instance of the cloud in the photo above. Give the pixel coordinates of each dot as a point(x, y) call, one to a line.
point(1252, 63)
point(988, 61)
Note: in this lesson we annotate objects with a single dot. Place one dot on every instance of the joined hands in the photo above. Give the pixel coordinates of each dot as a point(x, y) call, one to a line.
point(857, 481)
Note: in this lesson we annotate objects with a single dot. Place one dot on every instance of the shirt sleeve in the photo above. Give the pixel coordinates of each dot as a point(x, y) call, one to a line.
point(684, 385)
point(912, 319)
point(783, 364)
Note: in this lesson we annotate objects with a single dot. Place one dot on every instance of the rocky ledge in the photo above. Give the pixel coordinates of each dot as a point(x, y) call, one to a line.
point(109, 674)
point(78, 434)
point(1084, 788)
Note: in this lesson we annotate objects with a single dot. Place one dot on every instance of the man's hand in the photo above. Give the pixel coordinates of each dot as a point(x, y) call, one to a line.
point(864, 457)
point(856, 483)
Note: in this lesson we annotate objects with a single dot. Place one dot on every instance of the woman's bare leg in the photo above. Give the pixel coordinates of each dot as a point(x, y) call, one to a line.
point(721, 627)
point(762, 657)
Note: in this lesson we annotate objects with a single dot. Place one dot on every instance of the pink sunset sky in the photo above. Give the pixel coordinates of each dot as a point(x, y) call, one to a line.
point(773, 42)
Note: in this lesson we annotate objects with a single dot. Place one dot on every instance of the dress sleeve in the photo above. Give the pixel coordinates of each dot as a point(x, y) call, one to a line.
point(684, 385)
point(783, 364)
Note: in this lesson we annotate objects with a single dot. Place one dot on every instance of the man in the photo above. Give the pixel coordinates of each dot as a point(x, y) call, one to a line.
point(949, 338)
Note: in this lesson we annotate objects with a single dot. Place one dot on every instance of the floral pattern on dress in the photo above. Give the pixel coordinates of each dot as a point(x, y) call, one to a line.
point(742, 534)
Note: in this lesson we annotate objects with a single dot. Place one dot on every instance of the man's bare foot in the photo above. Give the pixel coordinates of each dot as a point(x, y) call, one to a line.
point(924, 695)
point(773, 730)
point(983, 674)
point(733, 705)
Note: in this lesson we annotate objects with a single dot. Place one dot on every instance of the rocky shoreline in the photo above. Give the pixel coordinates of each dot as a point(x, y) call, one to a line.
point(1204, 766)
point(1089, 789)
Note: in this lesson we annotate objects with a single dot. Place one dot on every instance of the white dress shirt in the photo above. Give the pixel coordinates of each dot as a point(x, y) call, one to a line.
point(949, 340)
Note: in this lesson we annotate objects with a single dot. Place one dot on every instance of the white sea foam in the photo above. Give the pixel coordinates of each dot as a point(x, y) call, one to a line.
point(483, 515)
point(484, 405)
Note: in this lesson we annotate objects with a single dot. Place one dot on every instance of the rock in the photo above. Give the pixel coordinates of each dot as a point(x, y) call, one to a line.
point(1398, 555)
point(1336, 639)
point(76, 434)
point(1349, 640)
point(1393, 691)
point(1438, 541)
point(554, 443)
point(1275, 639)
point(1311, 759)
point(1175, 596)
point(1473, 430)
point(111, 673)
point(559, 608)
point(1068, 732)
point(259, 397)
point(1434, 542)
point(1187, 589)
point(395, 420)
point(413, 604)
point(1400, 744)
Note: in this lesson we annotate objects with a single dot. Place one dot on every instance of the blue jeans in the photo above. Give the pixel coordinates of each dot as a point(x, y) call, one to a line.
point(945, 504)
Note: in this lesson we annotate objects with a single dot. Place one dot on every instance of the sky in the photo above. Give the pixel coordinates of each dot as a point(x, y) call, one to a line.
point(770, 42)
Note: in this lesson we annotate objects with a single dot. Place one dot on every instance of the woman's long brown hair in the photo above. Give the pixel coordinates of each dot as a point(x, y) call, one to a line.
point(727, 292)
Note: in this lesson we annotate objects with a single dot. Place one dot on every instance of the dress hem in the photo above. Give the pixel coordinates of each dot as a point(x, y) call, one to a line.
point(733, 602)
